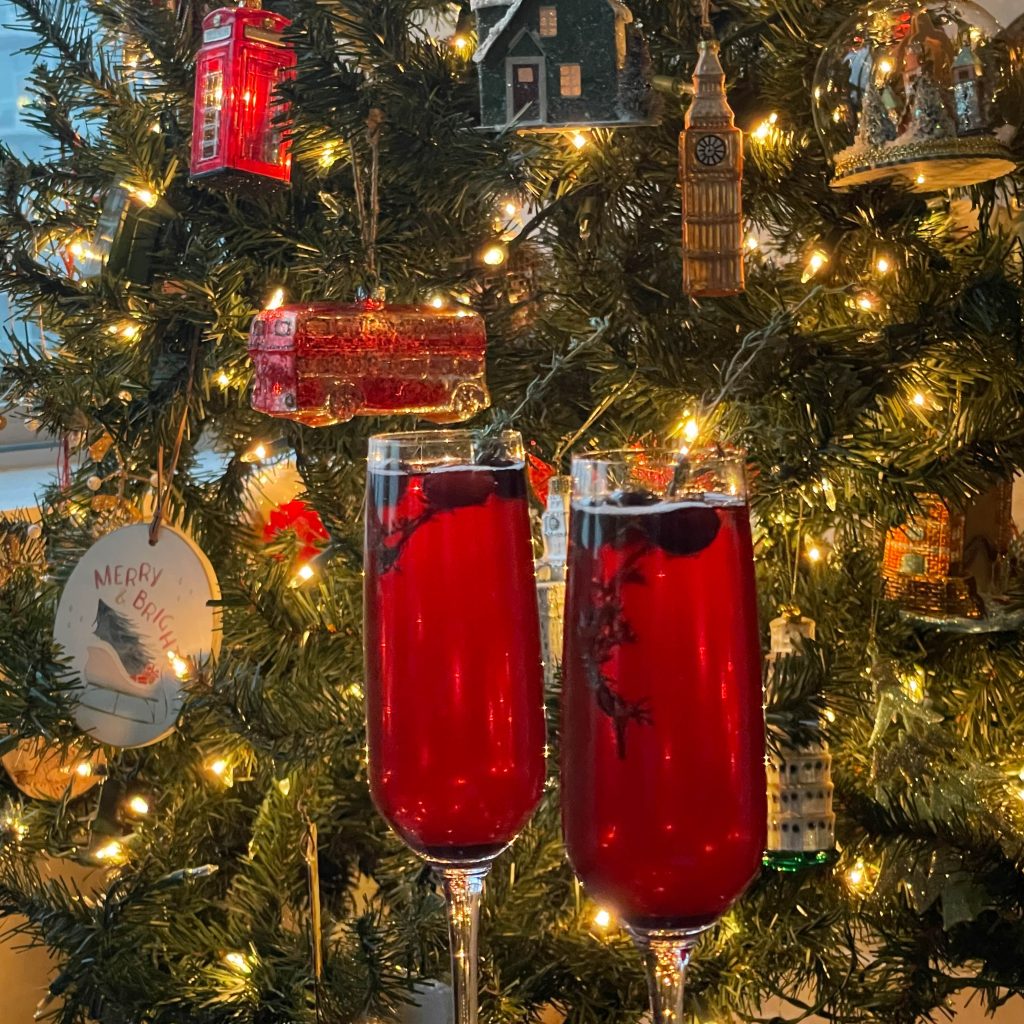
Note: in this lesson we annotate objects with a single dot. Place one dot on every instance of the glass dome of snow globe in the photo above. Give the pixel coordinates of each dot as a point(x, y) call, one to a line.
point(925, 94)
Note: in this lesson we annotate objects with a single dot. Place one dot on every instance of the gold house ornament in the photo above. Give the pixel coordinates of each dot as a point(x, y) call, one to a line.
point(711, 178)
point(944, 564)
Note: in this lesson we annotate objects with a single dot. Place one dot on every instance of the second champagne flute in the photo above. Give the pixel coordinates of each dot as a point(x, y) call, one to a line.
point(454, 685)
point(663, 778)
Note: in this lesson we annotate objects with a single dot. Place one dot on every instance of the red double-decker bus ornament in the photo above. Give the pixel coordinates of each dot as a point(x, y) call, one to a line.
point(238, 128)
point(322, 363)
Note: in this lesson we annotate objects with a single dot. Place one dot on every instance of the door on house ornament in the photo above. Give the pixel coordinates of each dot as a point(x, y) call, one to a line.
point(526, 92)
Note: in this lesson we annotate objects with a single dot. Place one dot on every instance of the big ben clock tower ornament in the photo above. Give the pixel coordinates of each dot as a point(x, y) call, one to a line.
point(711, 176)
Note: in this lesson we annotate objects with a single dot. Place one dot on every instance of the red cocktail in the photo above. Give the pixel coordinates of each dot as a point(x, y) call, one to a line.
point(454, 686)
point(663, 778)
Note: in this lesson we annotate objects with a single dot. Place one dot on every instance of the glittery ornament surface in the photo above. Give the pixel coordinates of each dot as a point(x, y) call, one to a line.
point(921, 94)
point(711, 179)
point(581, 64)
point(323, 363)
point(922, 563)
point(238, 132)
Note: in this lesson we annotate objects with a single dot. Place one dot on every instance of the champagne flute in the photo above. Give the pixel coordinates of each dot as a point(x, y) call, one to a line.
point(663, 743)
point(454, 684)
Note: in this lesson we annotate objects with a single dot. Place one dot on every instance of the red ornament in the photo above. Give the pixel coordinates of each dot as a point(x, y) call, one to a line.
point(324, 363)
point(236, 131)
point(301, 519)
point(539, 472)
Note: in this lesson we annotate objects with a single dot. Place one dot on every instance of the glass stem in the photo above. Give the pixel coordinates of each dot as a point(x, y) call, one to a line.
point(666, 956)
point(463, 888)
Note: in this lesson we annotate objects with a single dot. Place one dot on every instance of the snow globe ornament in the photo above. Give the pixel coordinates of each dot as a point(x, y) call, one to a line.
point(552, 66)
point(927, 95)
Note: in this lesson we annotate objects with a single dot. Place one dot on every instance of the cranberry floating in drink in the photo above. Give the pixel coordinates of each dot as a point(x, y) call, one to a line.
point(454, 686)
point(663, 776)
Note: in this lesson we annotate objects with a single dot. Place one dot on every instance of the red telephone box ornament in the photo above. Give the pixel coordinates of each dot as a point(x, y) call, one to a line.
point(237, 133)
point(324, 363)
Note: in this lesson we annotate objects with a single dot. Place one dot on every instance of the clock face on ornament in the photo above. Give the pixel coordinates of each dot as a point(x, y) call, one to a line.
point(710, 150)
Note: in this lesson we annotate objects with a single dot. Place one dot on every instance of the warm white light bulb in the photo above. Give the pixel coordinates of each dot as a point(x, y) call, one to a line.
point(855, 875)
point(276, 299)
point(919, 399)
point(83, 769)
point(691, 429)
point(109, 851)
point(602, 919)
point(882, 265)
point(579, 140)
point(178, 665)
point(494, 256)
point(815, 262)
point(139, 806)
point(238, 962)
point(814, 553)
point(218, 766)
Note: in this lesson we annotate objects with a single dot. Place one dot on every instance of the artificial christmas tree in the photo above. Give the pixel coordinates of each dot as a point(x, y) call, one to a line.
point(873, 358)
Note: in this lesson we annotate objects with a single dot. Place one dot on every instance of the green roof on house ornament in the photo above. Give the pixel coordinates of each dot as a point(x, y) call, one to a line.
point(547, 65)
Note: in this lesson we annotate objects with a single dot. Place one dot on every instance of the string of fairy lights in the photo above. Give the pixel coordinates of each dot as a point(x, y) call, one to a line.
point(859, 873)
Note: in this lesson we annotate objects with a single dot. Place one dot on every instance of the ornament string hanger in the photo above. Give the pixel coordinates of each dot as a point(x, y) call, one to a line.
point(163, 493)
point(707, 30)
point(368, 205)
point(310, 854)
point(795, 565)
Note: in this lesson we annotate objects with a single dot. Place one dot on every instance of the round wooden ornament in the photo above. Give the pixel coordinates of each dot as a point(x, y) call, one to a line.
point(133, 619)
point(44, 770)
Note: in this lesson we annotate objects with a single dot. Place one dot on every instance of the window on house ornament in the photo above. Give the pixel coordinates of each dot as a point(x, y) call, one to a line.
point(571, 80)
point(549, 21)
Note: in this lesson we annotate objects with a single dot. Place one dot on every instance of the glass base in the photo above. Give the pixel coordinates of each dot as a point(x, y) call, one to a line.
point(791, 861)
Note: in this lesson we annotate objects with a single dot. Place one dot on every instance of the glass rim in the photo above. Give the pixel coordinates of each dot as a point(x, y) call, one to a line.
point(446, 433)
point(446, 447)
point(704, 453)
